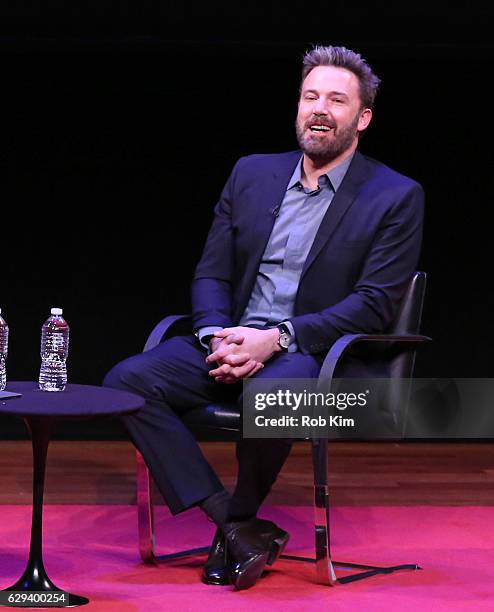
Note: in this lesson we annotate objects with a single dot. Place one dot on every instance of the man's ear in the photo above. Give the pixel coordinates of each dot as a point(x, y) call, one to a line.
point(364, 119)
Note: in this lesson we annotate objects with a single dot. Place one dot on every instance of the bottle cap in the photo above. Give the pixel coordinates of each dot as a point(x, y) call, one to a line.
point(56, 311)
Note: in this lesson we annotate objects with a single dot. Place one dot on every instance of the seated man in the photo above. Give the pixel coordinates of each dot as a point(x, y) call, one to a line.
point(305, 246)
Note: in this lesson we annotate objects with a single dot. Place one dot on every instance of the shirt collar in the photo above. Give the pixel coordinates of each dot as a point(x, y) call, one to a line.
point(335, 175)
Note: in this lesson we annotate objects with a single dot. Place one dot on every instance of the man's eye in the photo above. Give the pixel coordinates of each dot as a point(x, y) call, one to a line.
point(310, 98)
point(338, 100)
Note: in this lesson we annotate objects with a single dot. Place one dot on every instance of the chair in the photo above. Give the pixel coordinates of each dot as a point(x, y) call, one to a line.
point(396, 349)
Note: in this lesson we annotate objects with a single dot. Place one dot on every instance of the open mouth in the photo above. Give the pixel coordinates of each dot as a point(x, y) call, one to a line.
point(320, 129)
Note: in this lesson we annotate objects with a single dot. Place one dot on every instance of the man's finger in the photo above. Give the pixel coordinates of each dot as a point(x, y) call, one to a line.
point(223, 333)
point(236, 359)
point(237, 373)
point(221, 353)
point(234, 339)
point(221, 371)
point(254, 367)
point(241, 371)
point(234, 377)
point(258, 367)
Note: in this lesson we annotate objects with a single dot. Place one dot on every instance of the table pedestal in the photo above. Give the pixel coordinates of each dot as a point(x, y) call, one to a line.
point(35, 577)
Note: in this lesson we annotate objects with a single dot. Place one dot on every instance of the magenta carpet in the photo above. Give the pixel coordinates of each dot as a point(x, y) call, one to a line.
point(92, 551)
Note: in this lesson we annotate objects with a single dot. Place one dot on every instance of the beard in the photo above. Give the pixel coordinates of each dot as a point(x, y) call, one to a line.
point(324, 150)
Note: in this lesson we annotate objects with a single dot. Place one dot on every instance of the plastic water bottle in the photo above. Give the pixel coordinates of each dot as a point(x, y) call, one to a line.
point(4, 345)
point(54, 351)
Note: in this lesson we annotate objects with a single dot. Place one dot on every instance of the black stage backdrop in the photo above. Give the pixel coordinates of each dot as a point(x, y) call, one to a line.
point(120, 127)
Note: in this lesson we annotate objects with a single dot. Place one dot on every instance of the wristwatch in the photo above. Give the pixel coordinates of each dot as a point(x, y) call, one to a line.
point(285, 337)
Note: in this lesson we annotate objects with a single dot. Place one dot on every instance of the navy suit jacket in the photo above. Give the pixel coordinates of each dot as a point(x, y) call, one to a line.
point(363, 256)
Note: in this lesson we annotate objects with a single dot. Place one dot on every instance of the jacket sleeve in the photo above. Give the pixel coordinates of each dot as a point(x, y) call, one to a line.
point(388, 267)
point(213, 278)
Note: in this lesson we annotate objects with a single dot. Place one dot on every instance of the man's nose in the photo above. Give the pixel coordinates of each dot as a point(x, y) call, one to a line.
point(320, 107)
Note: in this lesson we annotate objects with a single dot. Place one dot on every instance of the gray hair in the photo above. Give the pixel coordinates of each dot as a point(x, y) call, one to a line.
point(341, 57)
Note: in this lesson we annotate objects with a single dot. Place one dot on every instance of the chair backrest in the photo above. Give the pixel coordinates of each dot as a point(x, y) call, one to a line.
point(410, 313)
point(401, 363)
point(394, 361)
point(408, 321)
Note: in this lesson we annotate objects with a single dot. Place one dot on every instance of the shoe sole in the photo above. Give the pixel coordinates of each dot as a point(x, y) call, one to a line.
point(277, 546)
point(219, 582)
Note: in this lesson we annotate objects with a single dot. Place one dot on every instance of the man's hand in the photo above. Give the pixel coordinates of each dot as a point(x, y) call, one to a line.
point(241, 352)
point(261, 344)
point(235, 363)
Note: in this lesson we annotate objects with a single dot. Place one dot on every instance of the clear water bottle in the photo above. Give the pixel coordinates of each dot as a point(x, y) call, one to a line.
point(54, 351)
point(4, 345)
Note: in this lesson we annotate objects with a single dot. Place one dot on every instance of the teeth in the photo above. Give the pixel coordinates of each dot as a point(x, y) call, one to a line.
point(320, 128)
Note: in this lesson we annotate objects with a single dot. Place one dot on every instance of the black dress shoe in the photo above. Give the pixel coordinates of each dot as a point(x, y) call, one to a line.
point(250, 546)
point(215, 570)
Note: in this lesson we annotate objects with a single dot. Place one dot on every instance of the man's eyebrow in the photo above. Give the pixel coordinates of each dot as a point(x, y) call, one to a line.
point(331, 93)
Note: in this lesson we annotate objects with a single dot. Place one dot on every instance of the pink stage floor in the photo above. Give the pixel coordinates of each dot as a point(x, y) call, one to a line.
point(92, 551)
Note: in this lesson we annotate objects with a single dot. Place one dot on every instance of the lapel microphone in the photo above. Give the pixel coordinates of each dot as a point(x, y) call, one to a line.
point(276, 210)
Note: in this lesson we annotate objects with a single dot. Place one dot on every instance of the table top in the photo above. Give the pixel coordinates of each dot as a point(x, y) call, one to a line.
point(74, 401)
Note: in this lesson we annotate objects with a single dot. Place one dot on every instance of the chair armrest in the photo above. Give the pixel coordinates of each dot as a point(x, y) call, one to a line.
point(340, 347)
point(162, 328)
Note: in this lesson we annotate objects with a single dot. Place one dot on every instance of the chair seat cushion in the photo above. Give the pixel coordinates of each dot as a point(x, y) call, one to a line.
point(222, 416)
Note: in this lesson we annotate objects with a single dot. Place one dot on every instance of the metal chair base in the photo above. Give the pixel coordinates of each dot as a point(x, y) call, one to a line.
point(372, 570)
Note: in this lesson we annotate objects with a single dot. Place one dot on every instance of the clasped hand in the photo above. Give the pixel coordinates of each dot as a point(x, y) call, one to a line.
point(240, 352)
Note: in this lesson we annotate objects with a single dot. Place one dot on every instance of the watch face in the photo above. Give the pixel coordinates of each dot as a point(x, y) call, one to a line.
point(284, 340)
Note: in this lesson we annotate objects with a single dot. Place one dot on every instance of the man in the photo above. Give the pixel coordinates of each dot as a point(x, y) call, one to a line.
point(305, 246)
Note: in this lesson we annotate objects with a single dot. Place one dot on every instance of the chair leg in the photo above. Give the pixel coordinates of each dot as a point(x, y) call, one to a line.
point(324, 566)
point(145, 511)
point(145, 519)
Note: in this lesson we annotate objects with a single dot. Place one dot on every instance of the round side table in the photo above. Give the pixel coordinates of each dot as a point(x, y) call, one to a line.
point(41, 410)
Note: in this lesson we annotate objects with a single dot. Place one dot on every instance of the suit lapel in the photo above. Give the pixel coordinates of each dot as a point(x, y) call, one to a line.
point(271, 192)
point(270, 199)
point(342, 201)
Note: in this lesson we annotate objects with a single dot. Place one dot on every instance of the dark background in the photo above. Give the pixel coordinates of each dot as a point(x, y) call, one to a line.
point(120, 123)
